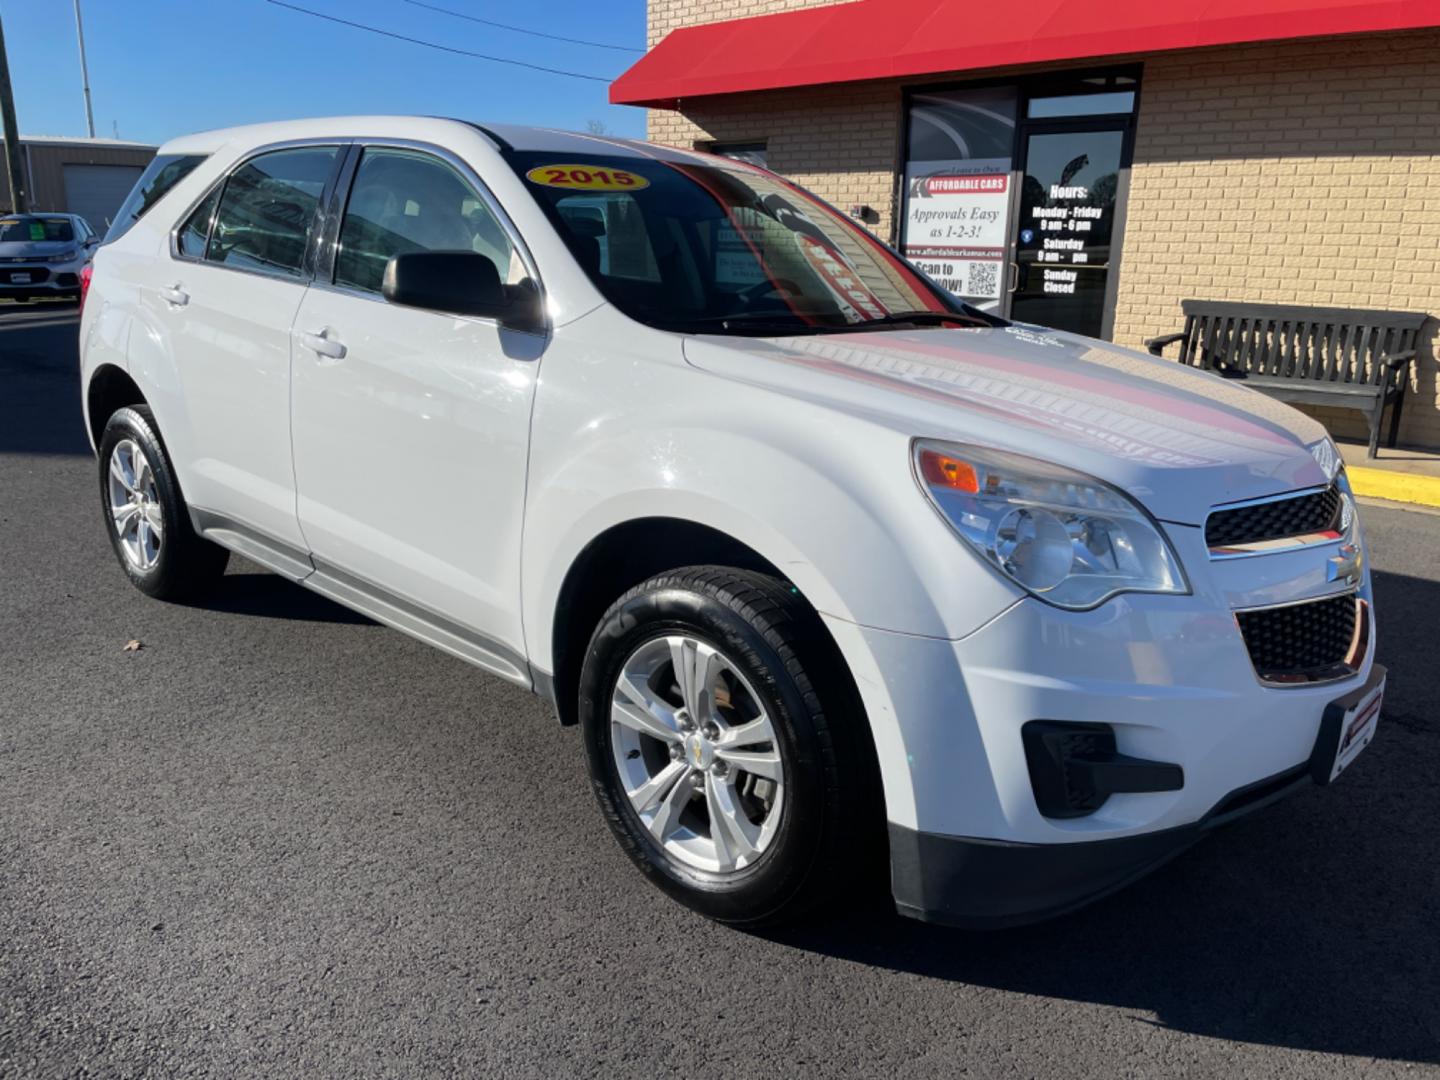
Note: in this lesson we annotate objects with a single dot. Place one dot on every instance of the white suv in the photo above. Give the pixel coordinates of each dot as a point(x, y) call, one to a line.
point(824, 562)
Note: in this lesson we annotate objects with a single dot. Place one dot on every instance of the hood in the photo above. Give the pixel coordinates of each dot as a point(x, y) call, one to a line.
point(36, 249)
point(1177, 439)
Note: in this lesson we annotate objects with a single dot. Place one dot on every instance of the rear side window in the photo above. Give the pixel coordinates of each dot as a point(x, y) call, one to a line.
point(266, 210)
point(195, 233)
point(403, 201)
point(162, 174)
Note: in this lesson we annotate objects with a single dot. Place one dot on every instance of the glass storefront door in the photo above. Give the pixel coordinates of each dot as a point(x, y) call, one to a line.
point(1013, 193)
point(1068, 184)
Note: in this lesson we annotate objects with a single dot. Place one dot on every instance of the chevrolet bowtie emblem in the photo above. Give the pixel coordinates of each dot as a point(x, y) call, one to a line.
point(1345, 566)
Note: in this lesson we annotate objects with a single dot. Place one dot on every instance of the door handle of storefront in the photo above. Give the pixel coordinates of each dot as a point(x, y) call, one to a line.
point(1014, 276)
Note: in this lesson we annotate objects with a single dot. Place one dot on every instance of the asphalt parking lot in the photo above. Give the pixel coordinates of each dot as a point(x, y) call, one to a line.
point(281, 840)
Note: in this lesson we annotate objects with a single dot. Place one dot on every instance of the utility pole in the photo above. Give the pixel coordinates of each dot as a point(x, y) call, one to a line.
point(84, 71)
point(19, 197)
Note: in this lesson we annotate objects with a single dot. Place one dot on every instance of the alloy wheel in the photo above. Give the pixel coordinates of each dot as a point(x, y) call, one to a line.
point(135, 505)
point(697, 754)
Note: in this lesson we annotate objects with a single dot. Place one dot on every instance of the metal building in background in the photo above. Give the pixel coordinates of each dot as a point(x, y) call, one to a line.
point(89, 177)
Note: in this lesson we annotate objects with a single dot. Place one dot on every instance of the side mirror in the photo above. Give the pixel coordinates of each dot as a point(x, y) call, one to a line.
point(458, 283)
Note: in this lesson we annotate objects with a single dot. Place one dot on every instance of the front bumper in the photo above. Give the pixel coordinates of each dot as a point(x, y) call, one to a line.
point(992, 884)
point(1169, 675)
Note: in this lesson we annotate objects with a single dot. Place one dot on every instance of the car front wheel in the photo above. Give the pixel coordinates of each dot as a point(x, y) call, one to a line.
point(728, 776)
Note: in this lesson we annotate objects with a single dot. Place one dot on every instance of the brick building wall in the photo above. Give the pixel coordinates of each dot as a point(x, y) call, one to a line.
point(1302, 172)
point(663, 16)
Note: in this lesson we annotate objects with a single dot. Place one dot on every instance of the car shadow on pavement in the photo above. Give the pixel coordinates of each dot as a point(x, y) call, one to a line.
point(1313, 925)
point(40, 380)
point(270, 596)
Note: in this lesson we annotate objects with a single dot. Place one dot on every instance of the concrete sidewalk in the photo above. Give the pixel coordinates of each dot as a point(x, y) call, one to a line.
point(1402, 476)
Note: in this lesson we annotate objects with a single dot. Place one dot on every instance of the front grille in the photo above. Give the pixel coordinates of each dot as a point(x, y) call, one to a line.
point(1318, 511)
point(36, 274)
point(1300, 641)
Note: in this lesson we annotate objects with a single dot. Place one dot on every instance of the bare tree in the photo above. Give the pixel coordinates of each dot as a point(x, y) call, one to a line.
point(596, 127)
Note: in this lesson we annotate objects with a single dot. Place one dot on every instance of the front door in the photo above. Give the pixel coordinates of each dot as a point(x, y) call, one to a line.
point(1070, 178)
point(411, 426)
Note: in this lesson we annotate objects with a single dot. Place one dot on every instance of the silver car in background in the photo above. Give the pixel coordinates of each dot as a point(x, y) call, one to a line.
point(43, 254)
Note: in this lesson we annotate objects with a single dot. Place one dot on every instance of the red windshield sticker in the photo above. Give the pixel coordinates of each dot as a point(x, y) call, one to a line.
point(841, 280)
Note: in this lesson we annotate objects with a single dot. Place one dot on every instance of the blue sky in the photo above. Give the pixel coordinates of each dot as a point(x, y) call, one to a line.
point(160, 68)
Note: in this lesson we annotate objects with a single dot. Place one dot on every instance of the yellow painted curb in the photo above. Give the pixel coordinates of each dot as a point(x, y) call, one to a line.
point(1395, 486)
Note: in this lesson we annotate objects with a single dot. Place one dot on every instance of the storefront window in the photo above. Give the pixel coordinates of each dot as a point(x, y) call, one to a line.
point(1103, 104)
point(957, 189)
point(1014, 194)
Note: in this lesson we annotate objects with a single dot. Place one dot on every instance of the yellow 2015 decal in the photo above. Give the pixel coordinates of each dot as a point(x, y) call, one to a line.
point(586, 178)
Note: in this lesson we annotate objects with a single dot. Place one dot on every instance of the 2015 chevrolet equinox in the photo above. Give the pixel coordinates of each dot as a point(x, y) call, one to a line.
point(805, 545)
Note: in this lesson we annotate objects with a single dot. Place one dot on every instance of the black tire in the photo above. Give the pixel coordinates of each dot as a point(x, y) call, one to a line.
point(830, 835)
point(187, 565)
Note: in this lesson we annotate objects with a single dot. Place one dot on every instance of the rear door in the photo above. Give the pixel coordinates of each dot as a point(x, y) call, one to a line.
point(411, 426)
point(226, 299)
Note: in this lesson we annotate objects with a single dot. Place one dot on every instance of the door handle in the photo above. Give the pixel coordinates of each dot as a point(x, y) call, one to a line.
point(322, 345)
point(1014, 276)
point(175, 296)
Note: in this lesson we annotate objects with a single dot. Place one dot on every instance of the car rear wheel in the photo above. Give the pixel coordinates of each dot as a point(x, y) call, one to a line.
point(145, 514)
point(736, 782)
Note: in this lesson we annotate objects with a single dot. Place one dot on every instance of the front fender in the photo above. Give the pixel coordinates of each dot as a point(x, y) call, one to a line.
point(826, 497)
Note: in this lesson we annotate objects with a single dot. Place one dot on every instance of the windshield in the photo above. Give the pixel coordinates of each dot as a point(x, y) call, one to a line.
point(725, 248)
point(36, 230)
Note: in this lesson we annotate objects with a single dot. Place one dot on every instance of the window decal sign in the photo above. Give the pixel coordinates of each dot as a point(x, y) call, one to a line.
point(586, 178)
point(956, 225)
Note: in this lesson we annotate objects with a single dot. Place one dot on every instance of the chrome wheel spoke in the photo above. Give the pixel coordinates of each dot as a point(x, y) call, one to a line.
point(666, 820)
point(117, 472)
point(749, 733)
point(155, 520)
point(124, 515)
point(764, 763)
point(654, 790)
point(697, 668)
point(735, 838)
point(635, 706)
point(140, 469)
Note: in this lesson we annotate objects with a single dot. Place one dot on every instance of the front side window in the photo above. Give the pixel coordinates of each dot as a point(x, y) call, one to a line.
point(719, 247)
point(266, 210)
point(405, 201)
point(162, 174)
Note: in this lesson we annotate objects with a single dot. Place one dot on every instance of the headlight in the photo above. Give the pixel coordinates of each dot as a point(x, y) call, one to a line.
point(64, 256)
point(1070, 539)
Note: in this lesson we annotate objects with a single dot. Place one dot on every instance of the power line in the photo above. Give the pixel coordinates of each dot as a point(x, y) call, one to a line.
point(433, 45)
point(522, 30)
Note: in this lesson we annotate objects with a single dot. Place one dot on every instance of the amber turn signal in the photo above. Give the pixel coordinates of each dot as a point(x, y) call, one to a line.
point(940, 470)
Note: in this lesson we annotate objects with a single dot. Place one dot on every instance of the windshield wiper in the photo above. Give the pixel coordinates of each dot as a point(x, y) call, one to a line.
point(928, 318)
point(757, 322)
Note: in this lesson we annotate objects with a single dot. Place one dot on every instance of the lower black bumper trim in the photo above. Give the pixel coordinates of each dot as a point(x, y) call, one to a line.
point(991, 884)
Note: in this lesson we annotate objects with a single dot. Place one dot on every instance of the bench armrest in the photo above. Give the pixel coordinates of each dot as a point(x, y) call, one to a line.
point(1398, 360)
point(1156, 345)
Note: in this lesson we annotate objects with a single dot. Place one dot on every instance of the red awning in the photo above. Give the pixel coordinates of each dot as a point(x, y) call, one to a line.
point(880, 39)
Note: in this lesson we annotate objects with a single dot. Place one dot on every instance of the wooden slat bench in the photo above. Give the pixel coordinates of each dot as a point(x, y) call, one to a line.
point(1350, 359)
